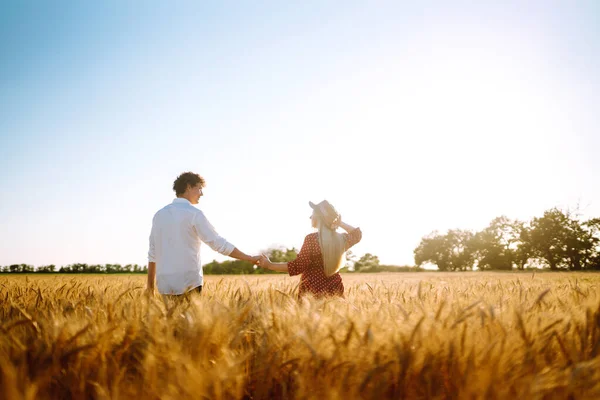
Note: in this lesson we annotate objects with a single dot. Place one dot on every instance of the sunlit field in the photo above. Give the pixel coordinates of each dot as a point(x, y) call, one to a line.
point(424, 335)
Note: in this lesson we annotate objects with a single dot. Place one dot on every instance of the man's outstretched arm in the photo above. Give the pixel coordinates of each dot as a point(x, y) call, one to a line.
point(243, 256)
point(209, 235)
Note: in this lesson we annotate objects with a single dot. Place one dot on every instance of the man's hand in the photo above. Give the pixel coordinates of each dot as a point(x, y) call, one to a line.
point(238, 255)
point(264, 262)
point(254, 259)
point(151, 278)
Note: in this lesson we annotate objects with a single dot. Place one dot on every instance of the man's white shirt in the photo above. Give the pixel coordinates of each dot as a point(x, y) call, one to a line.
point(177, 231)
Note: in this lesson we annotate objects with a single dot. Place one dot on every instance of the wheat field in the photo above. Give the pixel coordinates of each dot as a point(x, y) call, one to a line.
point(405, 336)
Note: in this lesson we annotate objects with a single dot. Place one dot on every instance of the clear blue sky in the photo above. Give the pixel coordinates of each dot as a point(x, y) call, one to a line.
point(408, 116)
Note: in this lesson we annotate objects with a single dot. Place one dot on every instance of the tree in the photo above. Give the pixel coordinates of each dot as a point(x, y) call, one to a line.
point(462, 254)
point(562, 241)
point(495, 247)
point(433, 249)
point(46, 268)
point(578, 247)
point(368, 262)
point(95, 269)
point(26, 268)
point(524, 248)
point(547, 237)
point(592, 234)
point(79, 268)
point(229, 267)
point(450, 252)
point(281, 254)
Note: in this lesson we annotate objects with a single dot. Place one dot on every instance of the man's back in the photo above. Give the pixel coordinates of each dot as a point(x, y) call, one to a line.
point(177, 232)
point(178, 243)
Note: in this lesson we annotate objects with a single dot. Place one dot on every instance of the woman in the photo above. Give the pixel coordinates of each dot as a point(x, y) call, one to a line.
point(321, 255)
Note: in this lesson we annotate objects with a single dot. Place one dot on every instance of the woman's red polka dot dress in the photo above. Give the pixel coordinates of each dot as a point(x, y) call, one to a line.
point(309, 263)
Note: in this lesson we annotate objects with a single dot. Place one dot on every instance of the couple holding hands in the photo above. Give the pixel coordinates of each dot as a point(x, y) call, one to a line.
point(179, 228)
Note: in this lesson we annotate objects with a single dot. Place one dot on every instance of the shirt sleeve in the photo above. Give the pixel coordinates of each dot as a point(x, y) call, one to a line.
point(209, 235)
point(152, 240)
point(302, 261)
point(353, 237)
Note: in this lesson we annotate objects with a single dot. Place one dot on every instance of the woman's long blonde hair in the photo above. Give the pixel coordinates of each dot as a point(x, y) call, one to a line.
point(333, 244)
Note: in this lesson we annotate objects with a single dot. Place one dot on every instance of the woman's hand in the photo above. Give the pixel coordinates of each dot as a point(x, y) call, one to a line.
point(264, 262)
point(346, 227)
point(337, 222)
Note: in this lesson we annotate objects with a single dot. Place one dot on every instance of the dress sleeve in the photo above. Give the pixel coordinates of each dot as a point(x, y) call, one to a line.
point(302, 261)
point(353, 237)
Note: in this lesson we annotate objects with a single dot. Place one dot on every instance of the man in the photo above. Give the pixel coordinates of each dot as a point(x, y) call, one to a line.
point(177, 231)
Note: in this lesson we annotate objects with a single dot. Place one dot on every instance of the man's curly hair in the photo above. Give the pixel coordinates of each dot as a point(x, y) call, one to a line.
point(187, 178)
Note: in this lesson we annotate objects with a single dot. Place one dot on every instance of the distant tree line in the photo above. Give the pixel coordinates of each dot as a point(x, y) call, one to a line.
point(234, 267)
point(559, 241)
point(370, 263)
point(76, 269)
point(366, 263)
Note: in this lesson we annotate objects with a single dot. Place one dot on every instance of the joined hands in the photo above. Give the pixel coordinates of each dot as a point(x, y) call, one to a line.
point(263, 261)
